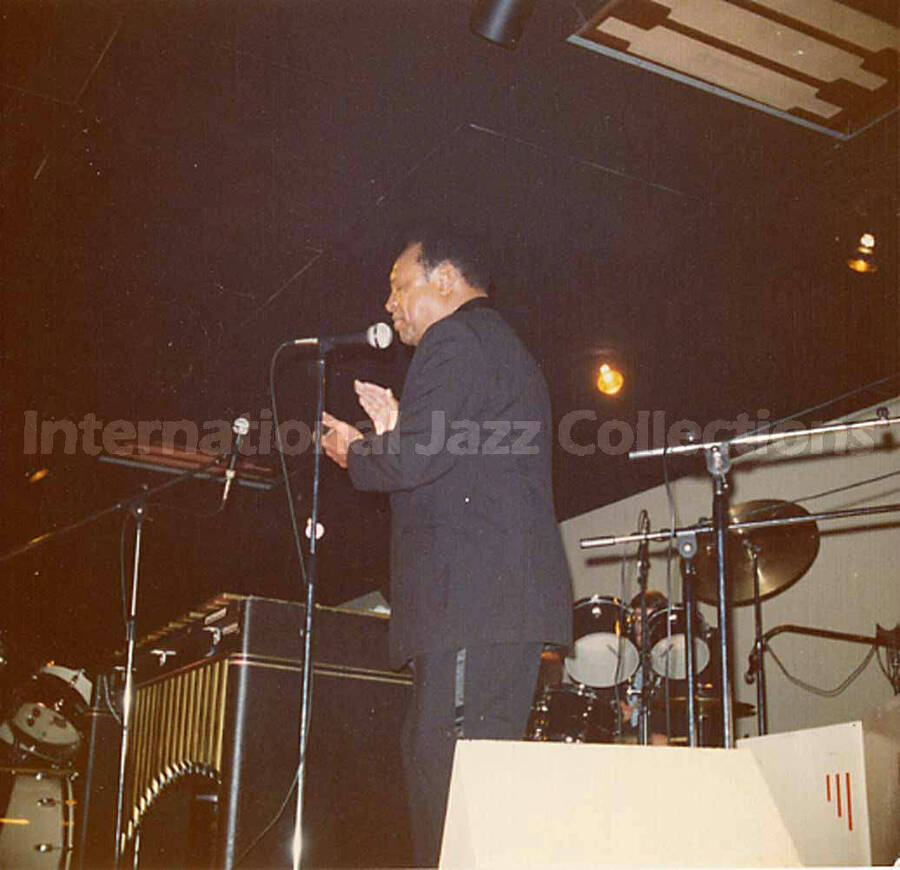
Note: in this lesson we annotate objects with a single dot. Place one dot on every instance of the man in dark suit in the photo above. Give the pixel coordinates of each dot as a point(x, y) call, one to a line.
point(479, 581)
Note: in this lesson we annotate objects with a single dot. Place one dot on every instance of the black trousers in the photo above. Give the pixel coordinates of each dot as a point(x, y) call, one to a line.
point(497, 685)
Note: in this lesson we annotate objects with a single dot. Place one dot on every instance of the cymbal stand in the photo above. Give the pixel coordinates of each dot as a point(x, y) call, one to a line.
point(687, 546)
point(762, 719)
point(643, 572)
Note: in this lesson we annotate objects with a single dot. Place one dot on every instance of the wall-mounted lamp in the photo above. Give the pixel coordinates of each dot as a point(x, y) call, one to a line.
point(862, 259)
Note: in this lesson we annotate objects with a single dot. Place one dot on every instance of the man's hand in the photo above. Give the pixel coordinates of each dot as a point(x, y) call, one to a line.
point(337, 439)
point(379, 403)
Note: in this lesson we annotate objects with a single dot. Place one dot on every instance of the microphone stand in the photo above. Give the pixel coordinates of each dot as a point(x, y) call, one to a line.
point(889, 639)
point(137, 505)
point(311, 577)
point(718, 463)
point(379, 336)
point(138, 511)
point(138, 508)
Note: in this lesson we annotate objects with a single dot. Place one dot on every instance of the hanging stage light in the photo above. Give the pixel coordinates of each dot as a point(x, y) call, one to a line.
point(501, 21)
point(610, 380)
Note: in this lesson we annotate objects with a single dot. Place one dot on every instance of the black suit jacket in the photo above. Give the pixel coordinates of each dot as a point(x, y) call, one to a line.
point(476, 554)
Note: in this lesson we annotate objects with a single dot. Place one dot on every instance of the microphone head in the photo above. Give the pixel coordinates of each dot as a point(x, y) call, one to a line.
point(379, 335)
point(241, 426)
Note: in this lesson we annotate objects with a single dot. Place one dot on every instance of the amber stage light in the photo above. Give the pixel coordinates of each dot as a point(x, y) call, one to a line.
point(610, 380)
point(862, 259)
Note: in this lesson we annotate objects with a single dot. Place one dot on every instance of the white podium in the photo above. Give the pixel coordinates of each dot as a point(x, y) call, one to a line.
point(559, 805)
point(838, 787)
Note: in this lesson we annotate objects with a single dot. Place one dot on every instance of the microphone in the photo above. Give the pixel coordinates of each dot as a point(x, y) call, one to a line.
point(644, 546)
point(378, 335)
point(240, 427)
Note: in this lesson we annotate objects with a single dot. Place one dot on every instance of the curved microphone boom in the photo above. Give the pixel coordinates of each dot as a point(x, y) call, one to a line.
point(378, 335)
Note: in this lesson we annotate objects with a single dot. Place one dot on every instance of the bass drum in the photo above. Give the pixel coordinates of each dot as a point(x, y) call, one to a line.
point(47, 714)
point(37, 812)
point(604, 653)
point(572, 714)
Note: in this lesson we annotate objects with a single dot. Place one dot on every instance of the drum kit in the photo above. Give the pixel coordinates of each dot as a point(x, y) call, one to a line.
point(41, 743)
point(602, 687)
point(596, 701)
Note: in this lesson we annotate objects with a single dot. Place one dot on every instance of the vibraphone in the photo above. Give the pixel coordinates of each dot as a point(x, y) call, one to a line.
point(214, 745)
point(217, 707)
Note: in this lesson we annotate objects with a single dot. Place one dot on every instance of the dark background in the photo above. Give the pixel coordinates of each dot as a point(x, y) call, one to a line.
point(186, 184)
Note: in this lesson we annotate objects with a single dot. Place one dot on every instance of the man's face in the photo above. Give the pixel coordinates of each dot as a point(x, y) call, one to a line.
point(416, 301)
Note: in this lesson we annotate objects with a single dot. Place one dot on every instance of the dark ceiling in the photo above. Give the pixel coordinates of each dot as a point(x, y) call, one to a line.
point(185, 184)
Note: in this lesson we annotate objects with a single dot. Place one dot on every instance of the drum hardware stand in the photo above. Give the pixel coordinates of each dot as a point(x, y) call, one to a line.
point(100, 778)
point(643, 561)
point(762, 719)
point(890, 639)
point(718, 463)
point(687, 548)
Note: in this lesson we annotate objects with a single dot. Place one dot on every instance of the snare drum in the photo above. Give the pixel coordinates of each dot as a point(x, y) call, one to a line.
point(604, 652)
point(36, 819)
point(47, 713)
point(571, 714)
point(668, 642)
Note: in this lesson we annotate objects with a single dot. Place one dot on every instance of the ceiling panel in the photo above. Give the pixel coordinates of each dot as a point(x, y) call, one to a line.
point(820, 63)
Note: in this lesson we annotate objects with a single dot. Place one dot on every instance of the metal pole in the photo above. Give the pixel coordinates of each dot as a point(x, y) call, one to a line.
point(644, 715)
point(746, 525)
point(762, 719)
point(882, 421)
point(643, 574)
point(306, 690)
point(689, 609)
point(128, 698)
point(718, 463)
point(827, 634)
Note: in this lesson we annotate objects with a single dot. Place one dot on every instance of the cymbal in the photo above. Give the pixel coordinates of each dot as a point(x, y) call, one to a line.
point(705, 704)
point(784, 553)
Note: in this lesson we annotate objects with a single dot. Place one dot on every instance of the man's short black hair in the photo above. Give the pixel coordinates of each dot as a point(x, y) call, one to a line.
point(461, 248)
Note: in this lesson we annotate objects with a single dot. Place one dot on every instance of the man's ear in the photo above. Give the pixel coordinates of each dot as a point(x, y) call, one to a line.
point(448, 278)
